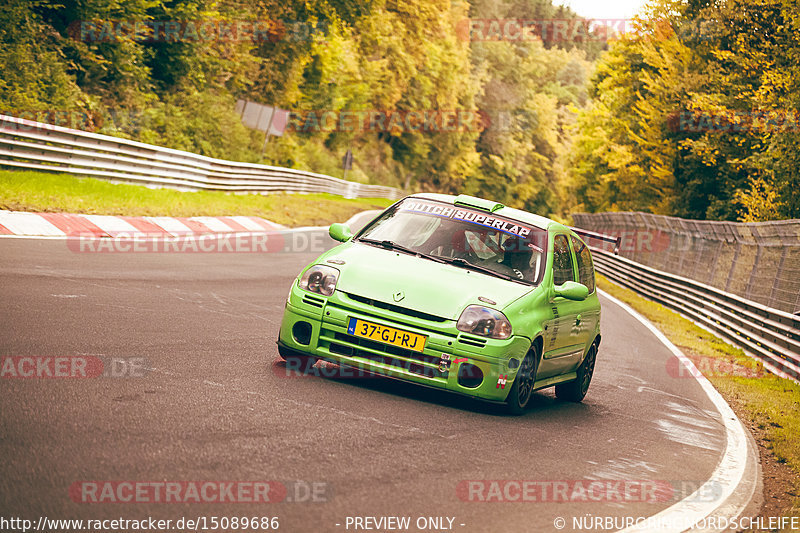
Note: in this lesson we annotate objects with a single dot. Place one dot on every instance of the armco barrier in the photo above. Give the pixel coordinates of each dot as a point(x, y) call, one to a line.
point(769, 335)
point(38, 146)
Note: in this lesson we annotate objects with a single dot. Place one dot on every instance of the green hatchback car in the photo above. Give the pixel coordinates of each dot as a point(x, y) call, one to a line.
point(453, 292)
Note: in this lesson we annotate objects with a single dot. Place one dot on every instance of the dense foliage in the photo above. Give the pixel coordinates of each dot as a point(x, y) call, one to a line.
point(689, 115)
point(696, 114)
point(336, 56)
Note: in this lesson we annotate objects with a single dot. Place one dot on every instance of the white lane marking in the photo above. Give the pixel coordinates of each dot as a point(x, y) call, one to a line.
point(23, 223)
point(730, 470)
point(111, 224)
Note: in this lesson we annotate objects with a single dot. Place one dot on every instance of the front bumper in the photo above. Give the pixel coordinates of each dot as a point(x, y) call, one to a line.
point(447, 351)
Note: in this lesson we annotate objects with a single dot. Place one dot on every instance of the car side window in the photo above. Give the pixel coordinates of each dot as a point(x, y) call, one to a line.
point(562, 261)
point(585, 267)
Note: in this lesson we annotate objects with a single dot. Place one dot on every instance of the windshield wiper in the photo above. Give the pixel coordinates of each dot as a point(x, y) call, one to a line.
point(391, 245)
point(457, 261)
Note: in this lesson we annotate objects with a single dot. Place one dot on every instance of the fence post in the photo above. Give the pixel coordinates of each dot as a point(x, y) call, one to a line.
point(700, 249)
point(672, 239)
point(752, 280)
point(713, 269)
point(784, 252)
point(733, 263)
point(797, 304)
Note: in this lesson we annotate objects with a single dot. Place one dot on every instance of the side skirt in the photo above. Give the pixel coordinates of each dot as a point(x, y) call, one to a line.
point(555, 380)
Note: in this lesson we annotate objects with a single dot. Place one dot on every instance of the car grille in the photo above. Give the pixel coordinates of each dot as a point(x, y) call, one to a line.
point(396, 308)
point(472, 341)
point(314, 301)
point(400, 358)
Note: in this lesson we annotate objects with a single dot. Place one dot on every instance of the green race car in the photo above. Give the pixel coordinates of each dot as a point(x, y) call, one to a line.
point(456, 293)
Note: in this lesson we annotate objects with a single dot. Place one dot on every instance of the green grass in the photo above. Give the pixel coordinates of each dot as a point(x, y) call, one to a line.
point(47, 192)
point(766, 401)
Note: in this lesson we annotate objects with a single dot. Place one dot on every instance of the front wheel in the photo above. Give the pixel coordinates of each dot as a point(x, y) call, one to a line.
point(574, 391)
point(522, 389)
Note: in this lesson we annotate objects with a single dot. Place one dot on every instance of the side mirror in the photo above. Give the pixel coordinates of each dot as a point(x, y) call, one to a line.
point(572, 291)
point(340, 232)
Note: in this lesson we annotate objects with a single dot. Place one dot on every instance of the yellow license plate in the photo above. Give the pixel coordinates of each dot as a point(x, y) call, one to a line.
point(395, 337)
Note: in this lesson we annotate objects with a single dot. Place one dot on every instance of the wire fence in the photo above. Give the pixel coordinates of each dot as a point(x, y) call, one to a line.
point(758, 261)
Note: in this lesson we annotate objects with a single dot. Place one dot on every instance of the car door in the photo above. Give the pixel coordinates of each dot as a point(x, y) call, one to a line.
point(565, 334)
point(590, 315)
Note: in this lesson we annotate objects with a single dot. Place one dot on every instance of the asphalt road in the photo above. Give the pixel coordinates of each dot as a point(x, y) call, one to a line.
point(215, 405)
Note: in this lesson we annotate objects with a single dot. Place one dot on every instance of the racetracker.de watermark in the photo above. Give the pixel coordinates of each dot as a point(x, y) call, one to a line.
point(193, 31)
point(72, 366)
point(31, 120)
point(436, 367)
point(730, 121)
point(203, 492)
point(303, 241)
point(586, 491)
point(382, 120)
point(712, 367)
point(634, 241)
point(546, 30)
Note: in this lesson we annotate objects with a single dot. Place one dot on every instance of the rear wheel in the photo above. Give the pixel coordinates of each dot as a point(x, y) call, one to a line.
point(295, 360)
point(522, 389)
point(574, 391)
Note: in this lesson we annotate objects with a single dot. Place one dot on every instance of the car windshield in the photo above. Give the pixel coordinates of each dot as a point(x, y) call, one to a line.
point(463, 237)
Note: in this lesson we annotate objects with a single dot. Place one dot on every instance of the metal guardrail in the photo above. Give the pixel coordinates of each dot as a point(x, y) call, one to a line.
point(38, 146)
point(769, 335)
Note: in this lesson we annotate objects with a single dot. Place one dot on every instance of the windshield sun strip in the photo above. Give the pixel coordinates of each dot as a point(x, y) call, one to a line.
point(508, 220)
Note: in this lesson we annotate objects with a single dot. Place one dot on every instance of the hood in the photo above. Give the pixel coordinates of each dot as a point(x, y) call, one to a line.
point(426, 286)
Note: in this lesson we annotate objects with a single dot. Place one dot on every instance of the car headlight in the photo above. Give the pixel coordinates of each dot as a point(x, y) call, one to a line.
point(320, 279)
point(485, 322)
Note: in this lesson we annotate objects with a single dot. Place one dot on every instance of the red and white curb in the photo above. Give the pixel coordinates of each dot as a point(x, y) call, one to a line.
point(55, 225)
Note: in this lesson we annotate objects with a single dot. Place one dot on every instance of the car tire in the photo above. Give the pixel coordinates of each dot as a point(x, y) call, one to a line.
point(575, 391)
point(296, 360)
point(522, 389)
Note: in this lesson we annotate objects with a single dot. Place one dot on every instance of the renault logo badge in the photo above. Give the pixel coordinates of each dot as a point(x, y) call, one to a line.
point(399, 295)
